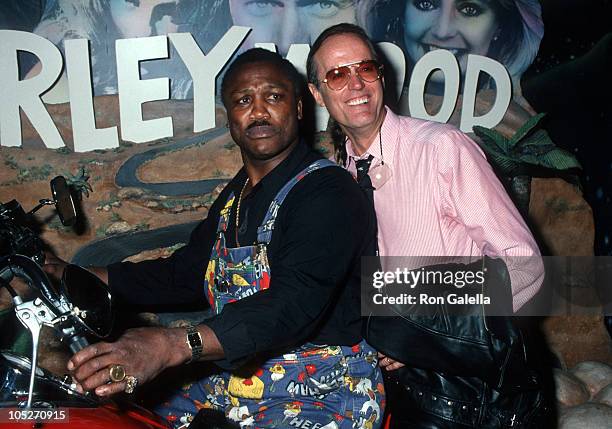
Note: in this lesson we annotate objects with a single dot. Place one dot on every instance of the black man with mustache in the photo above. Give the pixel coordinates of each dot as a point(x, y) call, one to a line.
point(278, 260)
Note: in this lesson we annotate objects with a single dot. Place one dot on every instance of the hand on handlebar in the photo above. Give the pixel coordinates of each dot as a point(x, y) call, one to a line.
point(142, 352)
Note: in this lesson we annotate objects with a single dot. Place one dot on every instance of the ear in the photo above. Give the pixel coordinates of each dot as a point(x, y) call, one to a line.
point(316, 94)
point(299, 109)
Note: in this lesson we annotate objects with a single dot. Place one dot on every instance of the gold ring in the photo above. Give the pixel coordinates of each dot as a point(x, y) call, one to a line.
point(116, 373)
point(130, 384)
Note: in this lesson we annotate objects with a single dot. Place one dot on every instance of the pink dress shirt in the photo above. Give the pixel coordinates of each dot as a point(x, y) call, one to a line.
point(443, 199)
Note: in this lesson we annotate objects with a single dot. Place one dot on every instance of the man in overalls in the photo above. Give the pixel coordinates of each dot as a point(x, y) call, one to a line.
point(278, 259)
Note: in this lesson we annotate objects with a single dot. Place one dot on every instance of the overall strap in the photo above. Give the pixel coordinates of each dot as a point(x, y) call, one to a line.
point(224, 215)
point(264, 232)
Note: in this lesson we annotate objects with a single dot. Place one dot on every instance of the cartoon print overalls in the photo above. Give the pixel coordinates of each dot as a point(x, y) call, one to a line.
point(313, 386)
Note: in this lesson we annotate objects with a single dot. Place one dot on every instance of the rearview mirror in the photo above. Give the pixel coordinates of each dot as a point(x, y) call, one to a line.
point(64, 203)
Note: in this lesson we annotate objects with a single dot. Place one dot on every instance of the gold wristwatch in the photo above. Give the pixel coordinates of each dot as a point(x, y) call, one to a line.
point(194, 342)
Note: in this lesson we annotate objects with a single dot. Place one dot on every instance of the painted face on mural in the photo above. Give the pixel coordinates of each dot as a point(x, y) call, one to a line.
point(287, 22)
point(138, 18)
point(462, 27)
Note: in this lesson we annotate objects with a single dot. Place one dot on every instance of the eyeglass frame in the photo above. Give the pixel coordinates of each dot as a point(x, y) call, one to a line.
point(380, 68)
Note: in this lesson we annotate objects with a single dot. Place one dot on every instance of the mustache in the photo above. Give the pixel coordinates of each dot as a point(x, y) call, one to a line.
point(260, 123)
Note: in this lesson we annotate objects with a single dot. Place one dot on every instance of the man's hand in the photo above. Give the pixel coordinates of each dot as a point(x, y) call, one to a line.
point(54, 265)
point(143, 353)
point(387, 363)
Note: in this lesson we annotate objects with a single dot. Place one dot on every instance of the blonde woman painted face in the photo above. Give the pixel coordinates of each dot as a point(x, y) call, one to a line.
point(286, 22)
point(461, 27)
point(143, 18)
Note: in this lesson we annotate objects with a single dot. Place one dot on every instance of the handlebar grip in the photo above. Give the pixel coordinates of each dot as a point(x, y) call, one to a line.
point(77, 343)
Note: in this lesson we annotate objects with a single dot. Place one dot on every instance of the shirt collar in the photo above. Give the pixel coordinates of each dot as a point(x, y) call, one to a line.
point(389, 135)
point(275, 179)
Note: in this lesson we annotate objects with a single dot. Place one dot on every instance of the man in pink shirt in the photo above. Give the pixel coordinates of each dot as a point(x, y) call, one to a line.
point(435, 195)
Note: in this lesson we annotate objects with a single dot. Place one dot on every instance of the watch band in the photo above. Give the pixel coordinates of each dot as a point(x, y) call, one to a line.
point(194, 342)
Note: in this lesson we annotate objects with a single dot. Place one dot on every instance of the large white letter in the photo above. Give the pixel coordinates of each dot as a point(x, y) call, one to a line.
point(133, 92)
point(445, 61)
point(204, 70)
point(85, 135)
point(297, 55)
point(15, 93)
point(503, 94)
point(397, 61)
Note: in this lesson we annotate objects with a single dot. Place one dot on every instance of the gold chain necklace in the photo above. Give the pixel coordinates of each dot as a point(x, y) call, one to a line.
point(238, 210)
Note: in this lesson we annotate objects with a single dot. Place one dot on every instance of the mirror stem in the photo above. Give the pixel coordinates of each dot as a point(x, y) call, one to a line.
point(41, 203)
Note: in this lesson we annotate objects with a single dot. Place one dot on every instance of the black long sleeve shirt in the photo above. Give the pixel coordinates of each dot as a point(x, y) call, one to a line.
point(323, 228)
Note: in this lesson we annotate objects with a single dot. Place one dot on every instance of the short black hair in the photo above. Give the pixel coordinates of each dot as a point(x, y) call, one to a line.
point(334, 30)
point(259, 55)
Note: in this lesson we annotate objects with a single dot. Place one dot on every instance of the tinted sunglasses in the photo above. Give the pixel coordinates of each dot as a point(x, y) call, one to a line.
point(367, 70)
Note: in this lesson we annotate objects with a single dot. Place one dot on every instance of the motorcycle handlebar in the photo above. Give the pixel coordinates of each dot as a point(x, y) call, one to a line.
point(77, 343)
point(25, 268)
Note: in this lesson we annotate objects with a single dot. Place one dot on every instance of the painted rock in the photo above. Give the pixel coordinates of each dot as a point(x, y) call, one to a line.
point(586, 416)
point(595, 375)
point(570, 391)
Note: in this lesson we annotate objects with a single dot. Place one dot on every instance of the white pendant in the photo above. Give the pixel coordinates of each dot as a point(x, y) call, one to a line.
point(379, 175)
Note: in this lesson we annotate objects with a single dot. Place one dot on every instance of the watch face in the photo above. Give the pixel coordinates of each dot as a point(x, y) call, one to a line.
point(194, 341)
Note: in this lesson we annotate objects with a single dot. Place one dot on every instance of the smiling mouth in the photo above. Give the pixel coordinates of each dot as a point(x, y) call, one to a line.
point(455, 51)
point(358, 101)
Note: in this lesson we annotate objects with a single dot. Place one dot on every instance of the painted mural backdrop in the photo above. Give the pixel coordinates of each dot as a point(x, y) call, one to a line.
point(508, 31)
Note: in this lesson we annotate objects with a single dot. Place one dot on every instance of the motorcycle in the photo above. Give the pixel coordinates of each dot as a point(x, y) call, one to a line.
point(80, 307)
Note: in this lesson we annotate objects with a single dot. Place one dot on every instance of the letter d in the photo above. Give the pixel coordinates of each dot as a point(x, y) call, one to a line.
point(503, 85)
